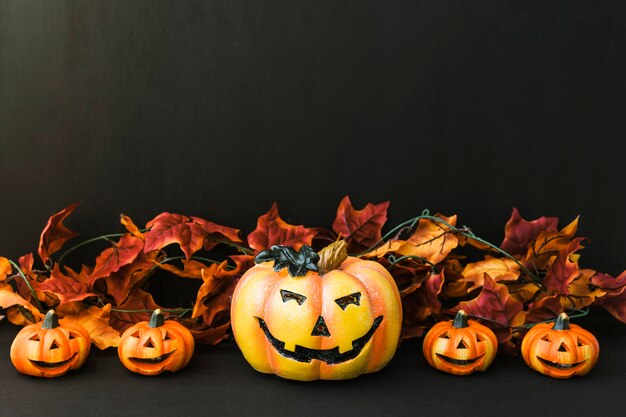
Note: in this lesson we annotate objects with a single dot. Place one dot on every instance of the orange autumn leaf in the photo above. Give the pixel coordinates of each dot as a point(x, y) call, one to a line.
point(127, 222)
point(96, 321)
point(5, 268)
point(272, 230)
point(500, 269)
point(137, 300)
point(55, 234)
point(384, 249)
point(543, 250)
point(191, 269)
point(216, 233)
point(119, 254)
point(360, 228)
point(519, 232)
point(581, 293)
point(20, 311)
point(523, 292)
point(431, 240)
point(65, 288)
point(563, 270)
point(119, 284)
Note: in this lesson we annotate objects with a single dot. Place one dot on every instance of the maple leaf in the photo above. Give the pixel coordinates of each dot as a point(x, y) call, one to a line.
point(562, 271)
point(615, 299)
point(607, 282)
point(495, 305)
point(137, 300)
point(384, 249)
point(360, 228)
point(96, 321)
point(581, 293)
point(191, 269)
point(55, 234)
point(5, 268)
point(272, 230)
point(119, 254)
point(217, 233)
point(546, 307)
point(519, 232)
point(424, 301)
point(431, 240)
point(119, 284)
point(127, 222)
point(500, 269)
point(543, 250)
point(20, 311)
point(524, 291)
point(65, 288)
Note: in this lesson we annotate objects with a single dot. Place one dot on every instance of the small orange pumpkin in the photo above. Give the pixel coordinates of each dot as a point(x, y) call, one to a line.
point(561, 350)
point(460, 346)
point(149, 348)
point(49, 349)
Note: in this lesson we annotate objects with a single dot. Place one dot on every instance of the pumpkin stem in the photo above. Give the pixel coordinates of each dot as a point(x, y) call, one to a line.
point(297, 262)
point(51, 320)
point(332, 256)
point(156, 319)
point(460, 320)
point(562, 322)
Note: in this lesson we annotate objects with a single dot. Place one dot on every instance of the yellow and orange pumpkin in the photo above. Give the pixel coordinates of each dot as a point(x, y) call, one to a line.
point(303, 318)
point(561, 350)
point(151, 347)
point(460, 346)
point(49, 349)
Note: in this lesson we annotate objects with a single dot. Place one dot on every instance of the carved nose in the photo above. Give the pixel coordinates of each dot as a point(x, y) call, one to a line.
point(320, 328)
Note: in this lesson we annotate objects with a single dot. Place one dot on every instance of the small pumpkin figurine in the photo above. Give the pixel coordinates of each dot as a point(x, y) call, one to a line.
point(303, 316)
point(149, 348)
point(561, 350)
point(48, 349)
point(460, 346)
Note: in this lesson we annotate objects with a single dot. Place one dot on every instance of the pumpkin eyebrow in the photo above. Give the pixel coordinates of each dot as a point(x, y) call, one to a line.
point(288, 295)
point(346, 300)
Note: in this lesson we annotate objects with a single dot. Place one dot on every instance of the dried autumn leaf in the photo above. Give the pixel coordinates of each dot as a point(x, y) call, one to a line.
point(55, 234)
point(360, 228)
point(65, 288)
point(519, 232)
point(191, 269)
point(431, 240)
point(523, 292)
point(562, 271)
point(272, 230)
point(119, 284)
point(547, 307)
point(607, 282)
point(118, 255)
point(384, 249)
point(137, 300)
point(216, 233)
point(500, 269)
point(615, 299)
point(424, 301)
point(16, 306)
point(543, 250)
point(5, 268)
point(96, 321)
point(127, 222)
point(581, 293)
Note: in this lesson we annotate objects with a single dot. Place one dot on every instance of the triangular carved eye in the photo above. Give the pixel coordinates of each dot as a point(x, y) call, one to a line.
point(35, 338)
point(71, 336)
point(445, 336)
point(148, 343)
point(581, 343)
point(546, 338)
point(167, 336)
point(461, 345)
point(54, 345)
point(136, 334)
point(562, 348)
point(479, 338)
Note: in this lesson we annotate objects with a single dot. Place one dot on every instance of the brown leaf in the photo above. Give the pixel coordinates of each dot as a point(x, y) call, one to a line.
point(424, 301)
point(127, 222)
point(562, 271)
point(431, 240)
point(272, 230)
point(55, 234)
point(360, 228)
point(17, 307)
point(519, 232)
point(5, 268)
point(544, 249)
point(96, 321)
point(65, 288)
point(500, 269)
point(119, 284)
point(120, 254)
point(137, 300)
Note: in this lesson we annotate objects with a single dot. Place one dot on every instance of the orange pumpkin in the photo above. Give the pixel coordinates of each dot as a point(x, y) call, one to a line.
point(561, 350)
point(49, 349)
point(460, 346)
point(149, 348)
point(304, 322)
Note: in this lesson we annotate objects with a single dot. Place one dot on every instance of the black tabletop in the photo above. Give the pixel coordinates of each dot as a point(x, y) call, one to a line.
point(218, 381)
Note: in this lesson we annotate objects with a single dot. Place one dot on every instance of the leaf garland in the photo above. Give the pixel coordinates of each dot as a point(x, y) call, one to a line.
point(533, 276)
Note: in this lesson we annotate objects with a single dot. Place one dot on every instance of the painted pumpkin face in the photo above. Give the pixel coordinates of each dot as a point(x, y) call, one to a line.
point(460, 346)
point(561, 350)
point(48, 349)
point(292, 321)
point(149, 348)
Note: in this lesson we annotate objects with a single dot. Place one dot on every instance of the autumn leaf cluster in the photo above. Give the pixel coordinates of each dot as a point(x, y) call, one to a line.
point(532, 276)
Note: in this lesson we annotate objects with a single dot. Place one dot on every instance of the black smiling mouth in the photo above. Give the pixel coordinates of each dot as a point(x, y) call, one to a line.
point(461, 362)
point(158, 359)
point(43, 364)
point(564, 366)
point(330, 356)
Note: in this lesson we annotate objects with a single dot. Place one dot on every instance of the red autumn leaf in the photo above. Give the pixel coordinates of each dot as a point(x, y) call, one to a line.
point(127, 222)
point(55, 234)
point(615, 299)
point(65, 288)
point(96, 321)
point(607, 282)
point(432, 240)
point(83, 276)
point(421, 303)
point(137, 300)
point(216, 233)
point(119, 254)
point(119, 284)
point(5, 268)
point(519, 232)
point(191, 269)
point(272, 230)
point(361, 228)
point(496, 307)
point(546, 308)
point(563, 271)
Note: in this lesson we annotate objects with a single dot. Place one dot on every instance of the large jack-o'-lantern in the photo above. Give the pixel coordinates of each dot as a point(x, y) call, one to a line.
point(561, 350)
point(305, 320)
point(49, 349)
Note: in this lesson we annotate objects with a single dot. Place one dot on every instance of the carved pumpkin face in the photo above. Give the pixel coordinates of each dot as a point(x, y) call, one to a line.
point(149, 348)
point(48, 349)
point(561, 350)
point(460, 346)
point(292, 321)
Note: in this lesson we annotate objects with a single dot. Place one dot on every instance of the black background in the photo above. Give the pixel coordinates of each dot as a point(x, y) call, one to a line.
point(219, 108)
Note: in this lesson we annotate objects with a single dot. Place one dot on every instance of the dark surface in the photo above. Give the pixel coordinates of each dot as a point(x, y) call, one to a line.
point(218, 381)
point(218, 108)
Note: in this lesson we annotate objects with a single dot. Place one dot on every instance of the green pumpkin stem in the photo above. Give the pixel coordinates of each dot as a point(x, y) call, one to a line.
point(297, 262)
point(562, 322)
point(51, 320)
point(156, 319)
point(460, 320)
